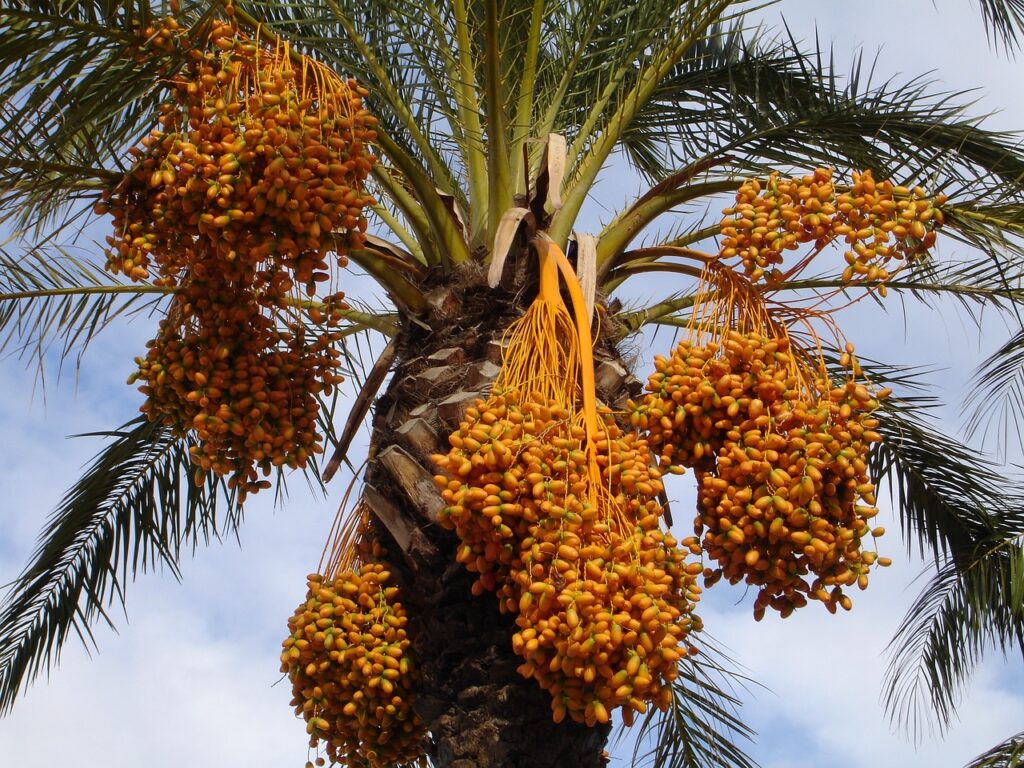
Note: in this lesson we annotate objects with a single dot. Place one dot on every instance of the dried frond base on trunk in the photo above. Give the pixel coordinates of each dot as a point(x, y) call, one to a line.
point(479, 710)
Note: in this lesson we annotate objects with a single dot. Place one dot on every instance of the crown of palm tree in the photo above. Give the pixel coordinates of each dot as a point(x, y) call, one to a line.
point(497, 118)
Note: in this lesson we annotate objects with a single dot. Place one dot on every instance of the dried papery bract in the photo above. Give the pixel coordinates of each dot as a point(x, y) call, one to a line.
point(556, 509)
point(245, 199)
point(349, 658)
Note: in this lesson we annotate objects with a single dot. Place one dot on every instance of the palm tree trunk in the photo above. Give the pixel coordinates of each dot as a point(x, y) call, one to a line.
point(479, 710)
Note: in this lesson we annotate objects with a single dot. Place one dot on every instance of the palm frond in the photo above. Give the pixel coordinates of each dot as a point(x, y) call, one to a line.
point(78, 87)
point(626, 89)
point(137, 506)
point(973, 283)
point(49, 294)
point(1004, 20)
point(768, 101)
point(969, 520)
point(393, 49)
point(358, 348)
point(770, 105)
point(996, 400)
point(586, 48)
point(975, 286)
point(982, 222)
point(742, 104)
point(1008, 754)
point(974, 603)
point(946, 495)
point(92, 13)
point(702, 727)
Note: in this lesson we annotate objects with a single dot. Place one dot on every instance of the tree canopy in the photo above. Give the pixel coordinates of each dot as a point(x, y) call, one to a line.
point(491, 122)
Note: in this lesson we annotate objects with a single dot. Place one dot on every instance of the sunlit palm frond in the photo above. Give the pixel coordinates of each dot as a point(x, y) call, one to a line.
point(944, 493)
point(49, 294)
point(973, 283)
point(392, 48)
point(769, 101)
point(995, 404)
point(1008, 754)
point(675, 122)
point(742, 104)
point(78, 87)
point(767, 104)
point(113, 13)
point(359, 347)
point(136, 507)
point(975, 286)
point(600, 48)
point(37, 184)
point(969, 520)
point(973, 603)
point(623, 86)
point(958, 510)
point(996, 401)
point(980, 223)
point(1004, 20)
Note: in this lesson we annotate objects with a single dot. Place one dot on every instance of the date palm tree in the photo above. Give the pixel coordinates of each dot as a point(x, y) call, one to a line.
point(496, 120)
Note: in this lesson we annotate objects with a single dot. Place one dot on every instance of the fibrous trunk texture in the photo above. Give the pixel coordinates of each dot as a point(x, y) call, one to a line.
point(479, 710)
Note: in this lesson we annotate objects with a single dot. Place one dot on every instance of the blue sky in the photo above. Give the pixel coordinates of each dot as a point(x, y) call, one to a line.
point(190, 677)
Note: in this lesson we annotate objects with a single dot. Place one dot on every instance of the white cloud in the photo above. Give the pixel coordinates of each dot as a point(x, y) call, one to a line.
point(191, 677)
point(169, 690)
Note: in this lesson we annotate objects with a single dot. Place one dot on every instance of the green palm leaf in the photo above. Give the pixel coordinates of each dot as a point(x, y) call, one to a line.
point(996, 398)
point(1008, 754)
point(77, 88)
point(945, 496)
point(1004, 20)
point(973, 286)
point(49, 294)
point(739, 105)
point(974, 603)
point(969, 521)
point(103, 13)
point(779, 105)
point(136, 507)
